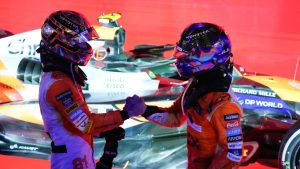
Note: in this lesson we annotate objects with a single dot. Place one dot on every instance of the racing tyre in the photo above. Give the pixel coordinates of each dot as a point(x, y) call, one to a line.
point(289, 153)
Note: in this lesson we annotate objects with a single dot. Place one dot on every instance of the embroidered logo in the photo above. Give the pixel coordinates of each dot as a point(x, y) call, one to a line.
point(228, 117)
point(233, 132)
point(75, 114)
point(235, 145)
point(71, 108)
point(232, 124)
point(235, 138)
point(63, 95)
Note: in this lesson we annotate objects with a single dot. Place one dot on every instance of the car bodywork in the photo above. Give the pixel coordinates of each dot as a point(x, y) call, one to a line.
point(270, 104)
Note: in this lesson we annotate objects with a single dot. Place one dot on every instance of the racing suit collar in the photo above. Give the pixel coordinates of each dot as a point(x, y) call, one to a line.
point(212, 99)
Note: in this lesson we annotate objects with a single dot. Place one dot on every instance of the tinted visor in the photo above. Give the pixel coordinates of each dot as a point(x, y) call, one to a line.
point(180, 54)
point(85, 36)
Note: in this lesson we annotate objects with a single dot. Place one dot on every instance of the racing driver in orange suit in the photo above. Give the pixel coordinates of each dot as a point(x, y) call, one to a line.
point(214, 134)
point(70, 124)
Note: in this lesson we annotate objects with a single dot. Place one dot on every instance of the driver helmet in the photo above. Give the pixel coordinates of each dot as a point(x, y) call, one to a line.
point(66, 34)
point(203, 47)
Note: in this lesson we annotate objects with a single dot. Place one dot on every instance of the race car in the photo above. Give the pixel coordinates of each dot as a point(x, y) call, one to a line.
point(271, 104)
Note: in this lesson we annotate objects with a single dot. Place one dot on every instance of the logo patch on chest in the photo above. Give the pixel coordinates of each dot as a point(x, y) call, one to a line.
point(228, 117)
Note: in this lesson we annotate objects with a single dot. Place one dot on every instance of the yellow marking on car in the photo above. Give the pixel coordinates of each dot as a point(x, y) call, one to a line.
point(111, 16)
point(281, 86)
point(10, 87)
point(11, 81)
point(106, 33)
point(245, 153)
point(2, 66)
point(8, 79)
point(23, 112)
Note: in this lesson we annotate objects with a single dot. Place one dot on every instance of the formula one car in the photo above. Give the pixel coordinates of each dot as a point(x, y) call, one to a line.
point(271, 105)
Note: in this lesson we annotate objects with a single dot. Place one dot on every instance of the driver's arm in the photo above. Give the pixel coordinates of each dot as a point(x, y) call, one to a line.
point(168, 117)
point(226, 121)
point(77, 118)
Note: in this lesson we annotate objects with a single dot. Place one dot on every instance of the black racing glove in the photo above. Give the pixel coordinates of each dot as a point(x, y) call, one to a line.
point(151, 110)
point(111, 147)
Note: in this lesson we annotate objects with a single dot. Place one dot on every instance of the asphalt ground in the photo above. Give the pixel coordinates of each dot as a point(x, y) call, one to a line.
point(13, 162)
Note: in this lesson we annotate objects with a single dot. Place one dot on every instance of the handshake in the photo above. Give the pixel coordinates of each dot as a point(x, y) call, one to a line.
point(134, 106)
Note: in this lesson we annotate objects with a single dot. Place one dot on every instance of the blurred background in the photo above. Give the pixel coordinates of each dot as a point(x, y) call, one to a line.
point(265, 35)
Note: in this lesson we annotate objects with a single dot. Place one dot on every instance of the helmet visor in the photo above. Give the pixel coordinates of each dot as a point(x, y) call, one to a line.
point(85, 36)
point(180, 54)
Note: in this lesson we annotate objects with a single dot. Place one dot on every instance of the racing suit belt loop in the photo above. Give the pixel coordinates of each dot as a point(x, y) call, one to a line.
point(58, 149)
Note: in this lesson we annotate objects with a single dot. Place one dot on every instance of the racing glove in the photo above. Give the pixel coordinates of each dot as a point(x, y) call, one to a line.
point(134, 106)
point(111, 147)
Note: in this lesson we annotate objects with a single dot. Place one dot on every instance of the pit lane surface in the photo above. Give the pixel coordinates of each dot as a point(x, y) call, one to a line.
point(13, 162)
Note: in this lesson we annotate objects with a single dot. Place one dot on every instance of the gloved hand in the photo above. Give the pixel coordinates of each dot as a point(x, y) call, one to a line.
point(115, 134)
point(134, 106)
point(111, 147)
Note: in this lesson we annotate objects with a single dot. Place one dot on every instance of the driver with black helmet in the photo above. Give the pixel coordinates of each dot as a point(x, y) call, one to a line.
point(214, 135)
point(66, 116)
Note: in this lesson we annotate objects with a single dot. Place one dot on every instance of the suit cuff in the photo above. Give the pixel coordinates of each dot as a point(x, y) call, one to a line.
point(124, 115)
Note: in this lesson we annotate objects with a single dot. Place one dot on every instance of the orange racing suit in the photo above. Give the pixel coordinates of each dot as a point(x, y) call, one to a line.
point(214, 134)
point(70, 123)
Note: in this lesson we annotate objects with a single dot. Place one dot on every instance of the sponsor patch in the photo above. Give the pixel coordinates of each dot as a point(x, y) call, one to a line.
point(233, 124)
point(75, 114)
point(235, 145)
point(63, 95)
point(72, 107)
point(83, 125)
point(267, 93)
point(233, 157)
point(68, 101)
point(235, 138)
point(254, 102)
point(80, 119)
point(237, 152)
point(233, 132)
point(228, 117)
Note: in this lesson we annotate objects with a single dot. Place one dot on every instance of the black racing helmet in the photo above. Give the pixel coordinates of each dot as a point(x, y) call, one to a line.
point(202, 47)
point(66, 34)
